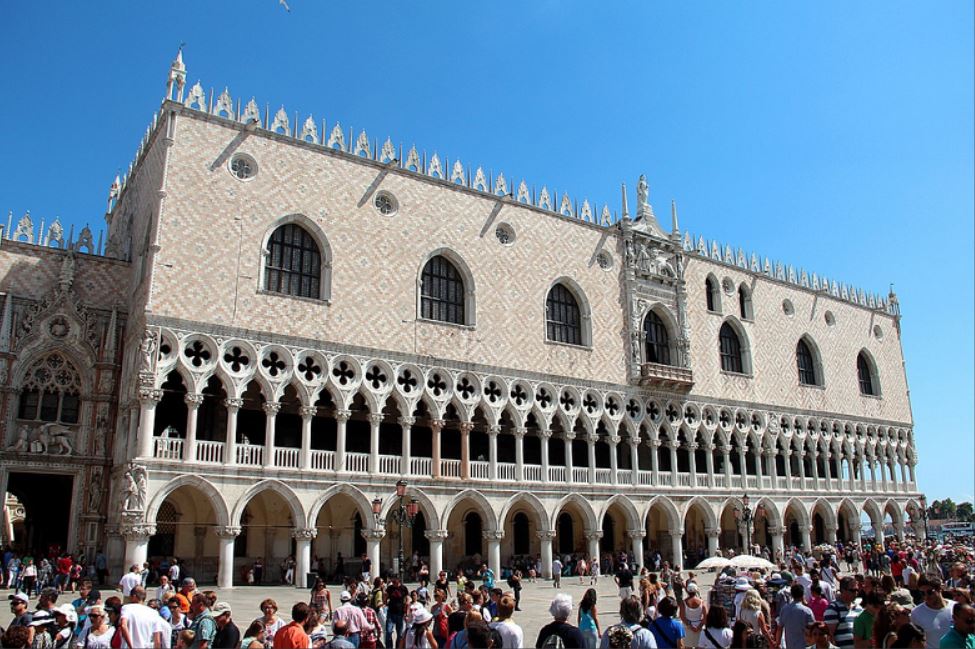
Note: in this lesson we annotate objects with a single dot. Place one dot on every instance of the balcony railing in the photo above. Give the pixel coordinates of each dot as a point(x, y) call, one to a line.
point(250, 454)
point(389, 464)
point(287, 458)
point(507, 471)
point(421, 466)
point(168, 448)
point(480, 470)
point(209, 452)
point(323, 460)
point(450, 468)
point(667, 377)
point(604, 476)
point(556, 474)
point(533, 473)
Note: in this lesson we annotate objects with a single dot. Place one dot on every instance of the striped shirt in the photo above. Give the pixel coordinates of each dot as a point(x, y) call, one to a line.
point(842, 616)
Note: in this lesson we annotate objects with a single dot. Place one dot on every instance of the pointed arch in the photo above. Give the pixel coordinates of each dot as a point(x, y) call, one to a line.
point(362, 503)
point(702, 505)
point(669, 509)
point(660, 336)
point(633, 517)
point(568, 316)
point(445, 288)
point(734, 350)
point(712, 293)
point(531, 501)
point(809, 362)
point(868, 377)
point(204, 486)
point(276, 486)
point(584, 506)
point(296, 258)
point(480, 502)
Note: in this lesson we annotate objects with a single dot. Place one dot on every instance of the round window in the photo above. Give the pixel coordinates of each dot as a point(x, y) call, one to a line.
point(505, 234)
point(605, 260)
point(386, 203)
point(243, 167)
point(787, 307)
point(878, 333)
point(830, 318)
point(728, 285)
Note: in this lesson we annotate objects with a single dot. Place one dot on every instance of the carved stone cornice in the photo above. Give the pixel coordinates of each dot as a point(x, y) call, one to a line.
point(342, 416)
point(406, 422)
point(492, 535)
point(150, 396)
point(137, 531)
point(375, 419)
point(546, 535)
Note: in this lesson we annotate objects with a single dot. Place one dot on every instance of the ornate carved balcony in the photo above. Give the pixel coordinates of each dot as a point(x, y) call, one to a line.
point(668, 377)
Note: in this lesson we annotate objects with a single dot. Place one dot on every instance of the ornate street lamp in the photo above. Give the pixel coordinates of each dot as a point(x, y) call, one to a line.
point(924, 515)
point(747, 517)
point(403, 513)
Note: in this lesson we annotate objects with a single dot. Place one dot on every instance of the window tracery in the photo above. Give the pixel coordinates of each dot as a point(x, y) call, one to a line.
point(51, 391)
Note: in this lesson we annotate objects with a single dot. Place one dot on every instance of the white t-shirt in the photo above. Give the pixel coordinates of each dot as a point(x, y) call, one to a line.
point(908, 571)
point(174, 574)
point(723, 636)
point(88, 640)
point(142, 623)
point(935, 622)
point(129, 581)
point(512, 637)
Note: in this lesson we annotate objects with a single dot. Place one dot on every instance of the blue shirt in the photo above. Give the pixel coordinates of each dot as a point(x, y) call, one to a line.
point(667, 631)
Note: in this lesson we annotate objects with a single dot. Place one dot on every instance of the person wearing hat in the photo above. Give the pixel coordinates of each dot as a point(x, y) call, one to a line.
point(742, 586)
point(228, 635)
point(42, 624)
point(19, 604)
point(66, 619)
point(693, 613)
point(353, 616)
point(419, 633)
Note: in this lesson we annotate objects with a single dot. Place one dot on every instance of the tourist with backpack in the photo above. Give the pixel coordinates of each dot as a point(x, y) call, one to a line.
point(559, 634)
point(628, 634)
point(668, 631)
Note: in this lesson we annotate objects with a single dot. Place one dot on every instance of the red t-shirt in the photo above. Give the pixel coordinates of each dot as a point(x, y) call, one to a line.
point(64, 565)
point(291, 636)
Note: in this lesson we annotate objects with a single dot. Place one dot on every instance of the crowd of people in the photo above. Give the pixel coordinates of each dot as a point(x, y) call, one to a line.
point(911, 594)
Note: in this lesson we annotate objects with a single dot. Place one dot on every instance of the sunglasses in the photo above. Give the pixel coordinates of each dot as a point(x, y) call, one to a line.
point(94, 615)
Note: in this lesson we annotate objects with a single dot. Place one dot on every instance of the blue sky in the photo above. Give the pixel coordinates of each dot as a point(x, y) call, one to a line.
point(835, 136)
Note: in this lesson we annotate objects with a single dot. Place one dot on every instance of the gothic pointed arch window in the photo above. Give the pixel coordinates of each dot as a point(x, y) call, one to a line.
point(442, 292)
point(806, 364)
point(51, 391)
point(712, 294)
point(293, 263)
point(729, 347)
point(867, 375)
point(745, 303)
point(657, 339)
point(563, 317)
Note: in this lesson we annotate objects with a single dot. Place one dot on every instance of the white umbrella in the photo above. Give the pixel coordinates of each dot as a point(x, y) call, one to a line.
point(749, 561)
point(713, 562)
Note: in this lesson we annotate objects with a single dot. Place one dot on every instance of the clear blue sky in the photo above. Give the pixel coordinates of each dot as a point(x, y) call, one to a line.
point(837, 136)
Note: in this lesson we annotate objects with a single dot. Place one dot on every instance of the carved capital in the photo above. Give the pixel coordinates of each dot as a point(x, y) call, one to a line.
point(436, 535)
point(308, 411)
point(436, 425)
point(150, 396)
point(233, 404)
point(466, 427)
point(726, 450)
point(494, 431)
point(776, 530)
point(520, 432)
point(492, 535)
point(342, 415)
point(375, 418)
point(709, 447)
point(712, 532)
point(137, 531)
point(545, 434)
point(227, 531)
point(374, 535)
point(546, 535)
point(406, 422)
point(592, 438)
point(614, 439)
point(304, 534)
point(193, 400)
point(569, 436)
point(692, 447)
point(636, 534)
point(676, 534)
point(593, 535)
point(272, 408)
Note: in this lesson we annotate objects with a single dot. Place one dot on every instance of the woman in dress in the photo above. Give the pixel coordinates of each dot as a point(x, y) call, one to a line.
point(271, 621)
point(321, 600)
point(751, 613)
point(693, 612)
point(588, 619)
point(99, 634)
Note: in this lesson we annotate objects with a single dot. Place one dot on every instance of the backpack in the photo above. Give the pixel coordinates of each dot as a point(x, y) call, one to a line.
point(619, 636)
point(554, 641)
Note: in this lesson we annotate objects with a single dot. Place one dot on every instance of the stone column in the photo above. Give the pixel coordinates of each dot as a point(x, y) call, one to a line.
point(613, 459)
point(132, 441)
point(373, 539)
point(593, 536)
point(758, 469)
point(546, 537)
point(148, 400)
point(465, 449)
point(569, 436)
point(520, 453)
point(193, 402)
point(136, 543)
point(673, 445)
point(654, 461)
point(307, 414)
point(770, 468)
point(636, 538)
point(436, 428)
point(814, 463)
point(635, 461)
point(341, 419)
point(712, 533)
point(230, 446)
point(545, 434)
point(902, 464)
point(802, 467)
point(726, 460)
point(873, 471)
point(591, 456)
point(826, 470)
point(787, 455)
point(742, 466)
point(271, 410)
point(898, 531)
point(778, 542)
point(406, 424)
point(493, 433)
point(878, 529)
point(493, 539)
point(709, 462)
point(863, 472)
point(806, 538)
point(227, 536)
point(830, 533)
point(677, 548)
point(374, 420)
point(303, 538)
point(692, 463)
point(910, 468)
point(436, 538)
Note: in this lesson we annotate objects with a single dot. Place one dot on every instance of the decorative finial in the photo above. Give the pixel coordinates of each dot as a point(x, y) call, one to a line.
point(674, 227)
point(113, 192)
point(177, 76)
point(626, 208)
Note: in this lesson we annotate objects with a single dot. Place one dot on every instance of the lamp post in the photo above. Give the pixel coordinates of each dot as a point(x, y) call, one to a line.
point(747, 517)
point(404, 513)
point(924, 515)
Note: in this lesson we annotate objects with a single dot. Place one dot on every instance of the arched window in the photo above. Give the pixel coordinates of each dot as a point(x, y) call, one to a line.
point(711, 289)
point(729, 346)
point(806, 364)
point(51, 392)
point(293, 264)
point(745, 303)
point(866, 375)
point(442, 292)
point(563, 318)
point(658, 342)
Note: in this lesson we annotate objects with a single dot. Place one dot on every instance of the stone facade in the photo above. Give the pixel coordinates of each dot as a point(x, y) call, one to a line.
point(295, 413)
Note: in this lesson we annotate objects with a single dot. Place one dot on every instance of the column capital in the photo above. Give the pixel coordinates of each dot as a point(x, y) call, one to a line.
point(233, 404)
point(712, 532)
point(137, 531)
point(544, 433)
point(776, 530)
point(636, 534)
point(673, 444)
point(692, 447)
point(374, 535)
point(308, 411)
point(614, 440)
point(406, 421)
point(546, 535)
point(676, 534)
point(150, 396)
point(342, 415)
point(494, 431)
point(227, 531)
point(436, 535)
point(654, 443)
point(375, 418)
point(436, 424)
point(492, 535)
point(593, 535)
point(726, 450)
point(304, 533)
point(520, 431)
point(569, 435)
point(466, 427)
point(272, 408)
point(592, 438)
point(193, 400)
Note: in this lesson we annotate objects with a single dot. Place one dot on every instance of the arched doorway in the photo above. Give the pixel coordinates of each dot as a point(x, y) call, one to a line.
point(338, 546)
point(185, 530)
point(265, 539)
point(697, 521)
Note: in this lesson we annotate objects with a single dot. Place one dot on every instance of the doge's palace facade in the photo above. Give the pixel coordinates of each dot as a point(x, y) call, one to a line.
point(286, 318)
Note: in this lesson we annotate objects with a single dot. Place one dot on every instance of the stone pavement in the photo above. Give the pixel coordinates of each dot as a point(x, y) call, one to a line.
point(535, 599)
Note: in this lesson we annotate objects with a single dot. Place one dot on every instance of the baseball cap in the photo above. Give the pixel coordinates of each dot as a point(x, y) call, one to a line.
point(220, 608)
point(345, 596)
point(67, 610)
point(21, 596)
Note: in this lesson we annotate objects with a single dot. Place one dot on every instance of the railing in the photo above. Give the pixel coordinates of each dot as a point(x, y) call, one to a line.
point(736, 482)
point(168, 448)
point(209, 452)
point(796, 483)
point(782, 482)
point(507, 471)
point(288, 458)
point(702, 480)
point(684, 479)
point(556, 474)
point(624, 476)
point(646, 478)
point(250, 454)
point(580, 475)
point(752, 482)
point(480, 470)
point(666, 478)
point(604, 476)
point(450, 468)
point(389, 464)
point(323, 460)
point(533, 472)
point(421, 466)
point(357, 462)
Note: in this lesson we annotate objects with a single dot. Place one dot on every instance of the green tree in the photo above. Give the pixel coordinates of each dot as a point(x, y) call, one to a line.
point(965, 512)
